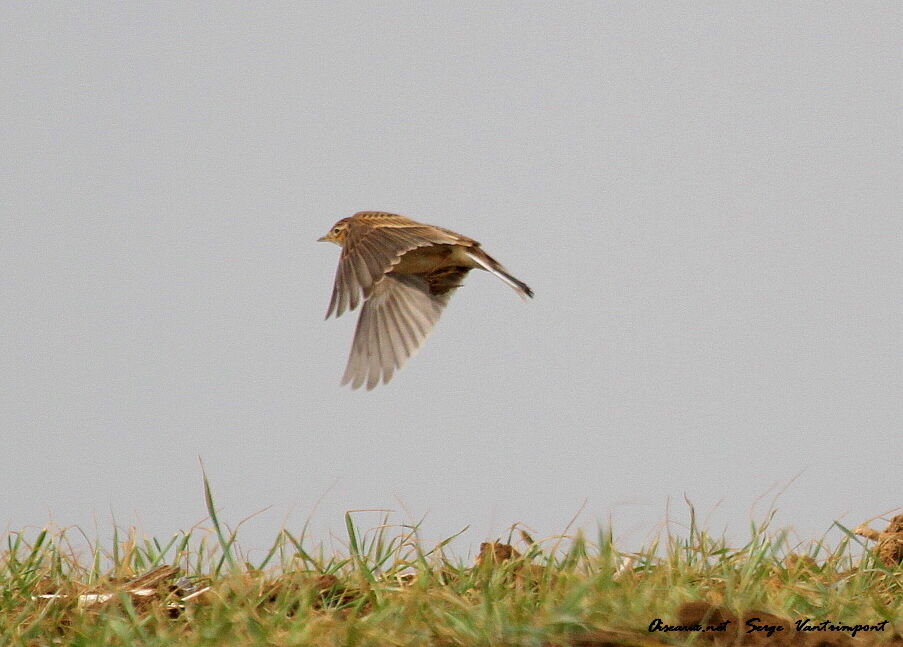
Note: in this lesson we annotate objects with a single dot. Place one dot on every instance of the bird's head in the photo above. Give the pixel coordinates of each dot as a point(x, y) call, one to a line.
point(337, 233)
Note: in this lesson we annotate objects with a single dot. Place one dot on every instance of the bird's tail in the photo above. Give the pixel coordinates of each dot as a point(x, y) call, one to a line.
point(491, 265)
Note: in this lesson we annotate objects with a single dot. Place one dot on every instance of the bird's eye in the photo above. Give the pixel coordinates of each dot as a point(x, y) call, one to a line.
point(336, 230)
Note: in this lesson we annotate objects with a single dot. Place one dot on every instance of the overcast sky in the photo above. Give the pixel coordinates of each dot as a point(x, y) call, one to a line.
point(705, 198)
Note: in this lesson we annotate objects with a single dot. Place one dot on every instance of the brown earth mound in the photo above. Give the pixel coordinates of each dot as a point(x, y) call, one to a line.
point(890, 541)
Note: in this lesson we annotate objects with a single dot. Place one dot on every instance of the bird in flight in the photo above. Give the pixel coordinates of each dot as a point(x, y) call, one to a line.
point(404, 272)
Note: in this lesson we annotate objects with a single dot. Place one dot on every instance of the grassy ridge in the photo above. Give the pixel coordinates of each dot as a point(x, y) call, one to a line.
point(386, 588)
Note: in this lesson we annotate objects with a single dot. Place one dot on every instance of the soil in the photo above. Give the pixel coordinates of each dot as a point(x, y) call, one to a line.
point(890, 541)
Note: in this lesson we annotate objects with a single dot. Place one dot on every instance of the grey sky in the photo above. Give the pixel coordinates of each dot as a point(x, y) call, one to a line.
point(704, 196)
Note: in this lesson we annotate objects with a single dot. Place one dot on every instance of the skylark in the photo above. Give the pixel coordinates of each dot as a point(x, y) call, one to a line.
point(406, 272)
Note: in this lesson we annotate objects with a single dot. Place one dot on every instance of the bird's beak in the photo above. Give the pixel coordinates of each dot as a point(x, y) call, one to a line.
point(323, 239)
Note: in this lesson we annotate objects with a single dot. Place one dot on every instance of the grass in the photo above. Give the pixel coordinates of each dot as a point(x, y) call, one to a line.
point(385, 587)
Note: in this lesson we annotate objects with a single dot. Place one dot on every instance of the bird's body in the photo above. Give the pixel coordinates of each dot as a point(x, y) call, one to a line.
point(405, 271)
point(424, 260)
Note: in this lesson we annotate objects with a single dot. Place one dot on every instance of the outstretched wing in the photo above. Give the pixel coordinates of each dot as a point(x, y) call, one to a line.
point(375, 241)
point(395, 320)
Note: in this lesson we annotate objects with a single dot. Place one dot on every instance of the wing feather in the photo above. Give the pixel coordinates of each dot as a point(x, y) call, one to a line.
point(375, 363)
point(407, 342)
point(394, 322)
point(395, 355)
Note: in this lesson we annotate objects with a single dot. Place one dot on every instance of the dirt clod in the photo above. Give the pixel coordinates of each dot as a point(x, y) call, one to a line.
point(493, 552)
point(890, 541)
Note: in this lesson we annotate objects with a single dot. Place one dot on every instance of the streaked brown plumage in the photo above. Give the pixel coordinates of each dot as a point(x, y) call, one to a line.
point(405, 272)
